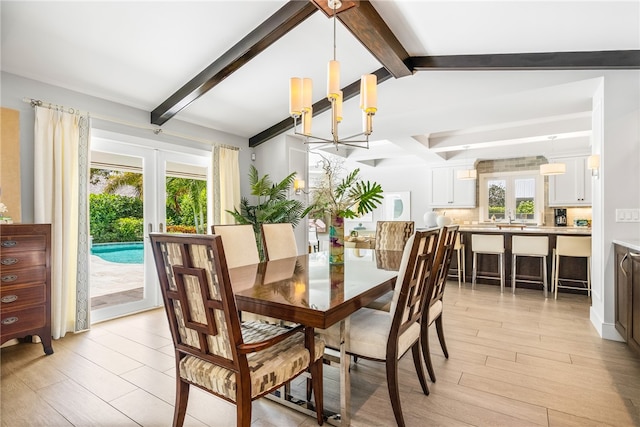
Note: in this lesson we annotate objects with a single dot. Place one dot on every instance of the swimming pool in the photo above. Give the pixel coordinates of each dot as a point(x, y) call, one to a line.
point(123, 253)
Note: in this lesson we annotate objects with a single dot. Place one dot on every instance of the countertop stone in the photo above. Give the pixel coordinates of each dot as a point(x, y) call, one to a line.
point(533, 229)
point(633, 244)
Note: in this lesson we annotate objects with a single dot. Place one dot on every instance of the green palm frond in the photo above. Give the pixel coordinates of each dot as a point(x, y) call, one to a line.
point(272, 204)
point(348, 197)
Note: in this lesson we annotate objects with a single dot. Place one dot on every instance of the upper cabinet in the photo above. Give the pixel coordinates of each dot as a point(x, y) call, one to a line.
point(572, 188)
point(446, 191)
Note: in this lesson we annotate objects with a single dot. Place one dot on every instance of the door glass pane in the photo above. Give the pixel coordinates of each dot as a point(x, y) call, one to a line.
point(116, 227)
point(186, 203)
point(497, 189)
point(525, 192)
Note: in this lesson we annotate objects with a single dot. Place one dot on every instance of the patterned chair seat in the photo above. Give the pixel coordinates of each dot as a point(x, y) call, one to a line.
point(268, 367)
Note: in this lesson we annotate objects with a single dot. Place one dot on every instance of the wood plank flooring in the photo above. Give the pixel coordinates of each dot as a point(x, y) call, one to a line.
point(514, 361)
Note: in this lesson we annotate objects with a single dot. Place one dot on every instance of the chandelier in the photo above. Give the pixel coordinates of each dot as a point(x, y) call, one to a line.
point(301, 109)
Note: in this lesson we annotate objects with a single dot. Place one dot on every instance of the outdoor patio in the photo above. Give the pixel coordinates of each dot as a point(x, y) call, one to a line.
point(114, 283)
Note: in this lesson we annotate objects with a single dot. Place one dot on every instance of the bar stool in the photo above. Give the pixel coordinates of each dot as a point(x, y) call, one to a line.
point(459, 272)
point(488, 244)
point(571, 246)
point(529, 246)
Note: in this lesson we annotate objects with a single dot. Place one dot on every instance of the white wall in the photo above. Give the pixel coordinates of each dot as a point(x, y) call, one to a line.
point(15, 88)
point(618, 187)
point(278, 158)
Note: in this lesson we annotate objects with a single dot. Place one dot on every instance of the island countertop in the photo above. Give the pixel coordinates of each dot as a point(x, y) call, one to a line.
point(525, 229)
point(633, 244)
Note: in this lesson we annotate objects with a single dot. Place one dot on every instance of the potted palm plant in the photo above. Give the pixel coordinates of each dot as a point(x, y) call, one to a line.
point(272, 205)
point(343, 198)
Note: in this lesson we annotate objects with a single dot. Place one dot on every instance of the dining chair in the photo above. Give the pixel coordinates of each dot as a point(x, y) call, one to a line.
point(434, 307)
point(279, 241)
point(238, 362)
point(239, 242)
point(385, 337)
point(390, 236)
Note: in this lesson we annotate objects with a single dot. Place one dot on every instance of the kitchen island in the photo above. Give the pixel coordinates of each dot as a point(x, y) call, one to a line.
point(627, 291)
point(528, 268)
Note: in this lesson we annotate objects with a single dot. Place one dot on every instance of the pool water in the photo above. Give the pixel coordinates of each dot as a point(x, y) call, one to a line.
point(123, 253)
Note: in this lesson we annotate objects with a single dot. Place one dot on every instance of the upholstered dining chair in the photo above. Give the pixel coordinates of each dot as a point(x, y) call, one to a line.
point(279, 241)
point(434, 307)
point(239, 242)
point(238, 362)
point(386, 336)
point(390, 236)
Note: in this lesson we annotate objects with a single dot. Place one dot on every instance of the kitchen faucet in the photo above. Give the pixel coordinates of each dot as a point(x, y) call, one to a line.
point(509, 213)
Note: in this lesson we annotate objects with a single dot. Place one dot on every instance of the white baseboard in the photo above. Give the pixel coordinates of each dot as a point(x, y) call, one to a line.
point(605, 330)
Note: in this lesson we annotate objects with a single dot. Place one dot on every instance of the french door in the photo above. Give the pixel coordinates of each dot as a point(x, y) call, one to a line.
point(120, 287)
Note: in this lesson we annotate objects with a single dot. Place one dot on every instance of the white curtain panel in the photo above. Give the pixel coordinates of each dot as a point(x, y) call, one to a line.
point(226, 182)
point(56, 201)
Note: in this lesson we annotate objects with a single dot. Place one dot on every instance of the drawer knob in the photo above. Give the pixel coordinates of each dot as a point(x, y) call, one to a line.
point(9, 243)
point(9, 320)
point(9, 298)
point(9, 278)
point(9, 261)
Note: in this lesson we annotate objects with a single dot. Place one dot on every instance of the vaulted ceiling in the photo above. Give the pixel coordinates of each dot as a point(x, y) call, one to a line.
point(497, 77)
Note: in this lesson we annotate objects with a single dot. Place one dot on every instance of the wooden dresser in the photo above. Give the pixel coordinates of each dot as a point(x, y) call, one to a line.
point(25, 288)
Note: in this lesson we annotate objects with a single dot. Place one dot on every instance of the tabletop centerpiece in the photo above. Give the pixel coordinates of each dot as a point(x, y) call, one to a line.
point(340, 199)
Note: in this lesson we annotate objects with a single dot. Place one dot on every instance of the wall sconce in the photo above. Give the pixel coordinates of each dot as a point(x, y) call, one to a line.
point(298, 186)
point(593, 163)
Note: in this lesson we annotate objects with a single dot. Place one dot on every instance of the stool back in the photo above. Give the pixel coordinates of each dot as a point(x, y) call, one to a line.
point(578, 246)
point(530, 245)
point(487, 243)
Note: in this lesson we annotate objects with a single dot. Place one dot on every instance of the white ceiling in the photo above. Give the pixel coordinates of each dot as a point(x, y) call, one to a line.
point(140, 53)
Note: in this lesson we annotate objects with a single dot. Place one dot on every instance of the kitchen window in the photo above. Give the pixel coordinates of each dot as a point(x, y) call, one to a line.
point(511, 196)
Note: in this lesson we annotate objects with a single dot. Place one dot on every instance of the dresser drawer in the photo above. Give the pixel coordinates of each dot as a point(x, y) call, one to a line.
point(19, 260)
point(22, 276)
point(19, 296)
point(20, 243)
point(25, 319)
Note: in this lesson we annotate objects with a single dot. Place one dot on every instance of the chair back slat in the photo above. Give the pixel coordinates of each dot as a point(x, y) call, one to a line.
point(415, 271)
point(393, 235)
point(198, 298)
point(442, 262)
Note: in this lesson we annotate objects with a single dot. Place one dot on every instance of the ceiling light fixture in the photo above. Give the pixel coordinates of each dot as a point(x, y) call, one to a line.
point(553, 168)
point(467, 174)
point(301, 109)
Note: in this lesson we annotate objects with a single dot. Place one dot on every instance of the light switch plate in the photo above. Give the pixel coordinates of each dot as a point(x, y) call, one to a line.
point(627, 215)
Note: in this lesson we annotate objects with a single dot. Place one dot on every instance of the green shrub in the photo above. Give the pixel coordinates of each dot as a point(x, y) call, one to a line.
point(129, 229)
point(104, 212)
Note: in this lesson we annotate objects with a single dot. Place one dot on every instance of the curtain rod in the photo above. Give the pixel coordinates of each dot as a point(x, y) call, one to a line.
point(155, 130)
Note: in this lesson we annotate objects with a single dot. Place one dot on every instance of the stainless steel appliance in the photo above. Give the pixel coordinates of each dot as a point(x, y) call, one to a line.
point(560, 217)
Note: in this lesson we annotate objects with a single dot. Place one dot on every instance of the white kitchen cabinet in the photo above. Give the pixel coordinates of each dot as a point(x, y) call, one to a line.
point(446, 191)
point(573, 188)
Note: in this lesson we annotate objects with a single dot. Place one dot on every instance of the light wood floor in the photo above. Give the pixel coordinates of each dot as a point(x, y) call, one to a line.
point(514, 361)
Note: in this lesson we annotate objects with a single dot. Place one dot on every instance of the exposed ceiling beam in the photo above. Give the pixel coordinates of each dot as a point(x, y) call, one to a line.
point(319, 107)
point(267, 33)
point(366, 25)
point(617, 59)
point(592, 60)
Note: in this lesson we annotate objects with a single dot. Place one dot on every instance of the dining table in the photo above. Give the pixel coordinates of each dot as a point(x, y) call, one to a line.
point(308, 290)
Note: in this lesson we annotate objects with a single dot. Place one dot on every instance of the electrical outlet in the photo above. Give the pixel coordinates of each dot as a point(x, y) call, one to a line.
point(627, 215)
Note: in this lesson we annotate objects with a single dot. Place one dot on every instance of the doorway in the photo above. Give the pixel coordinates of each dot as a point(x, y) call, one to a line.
point(136, 190)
